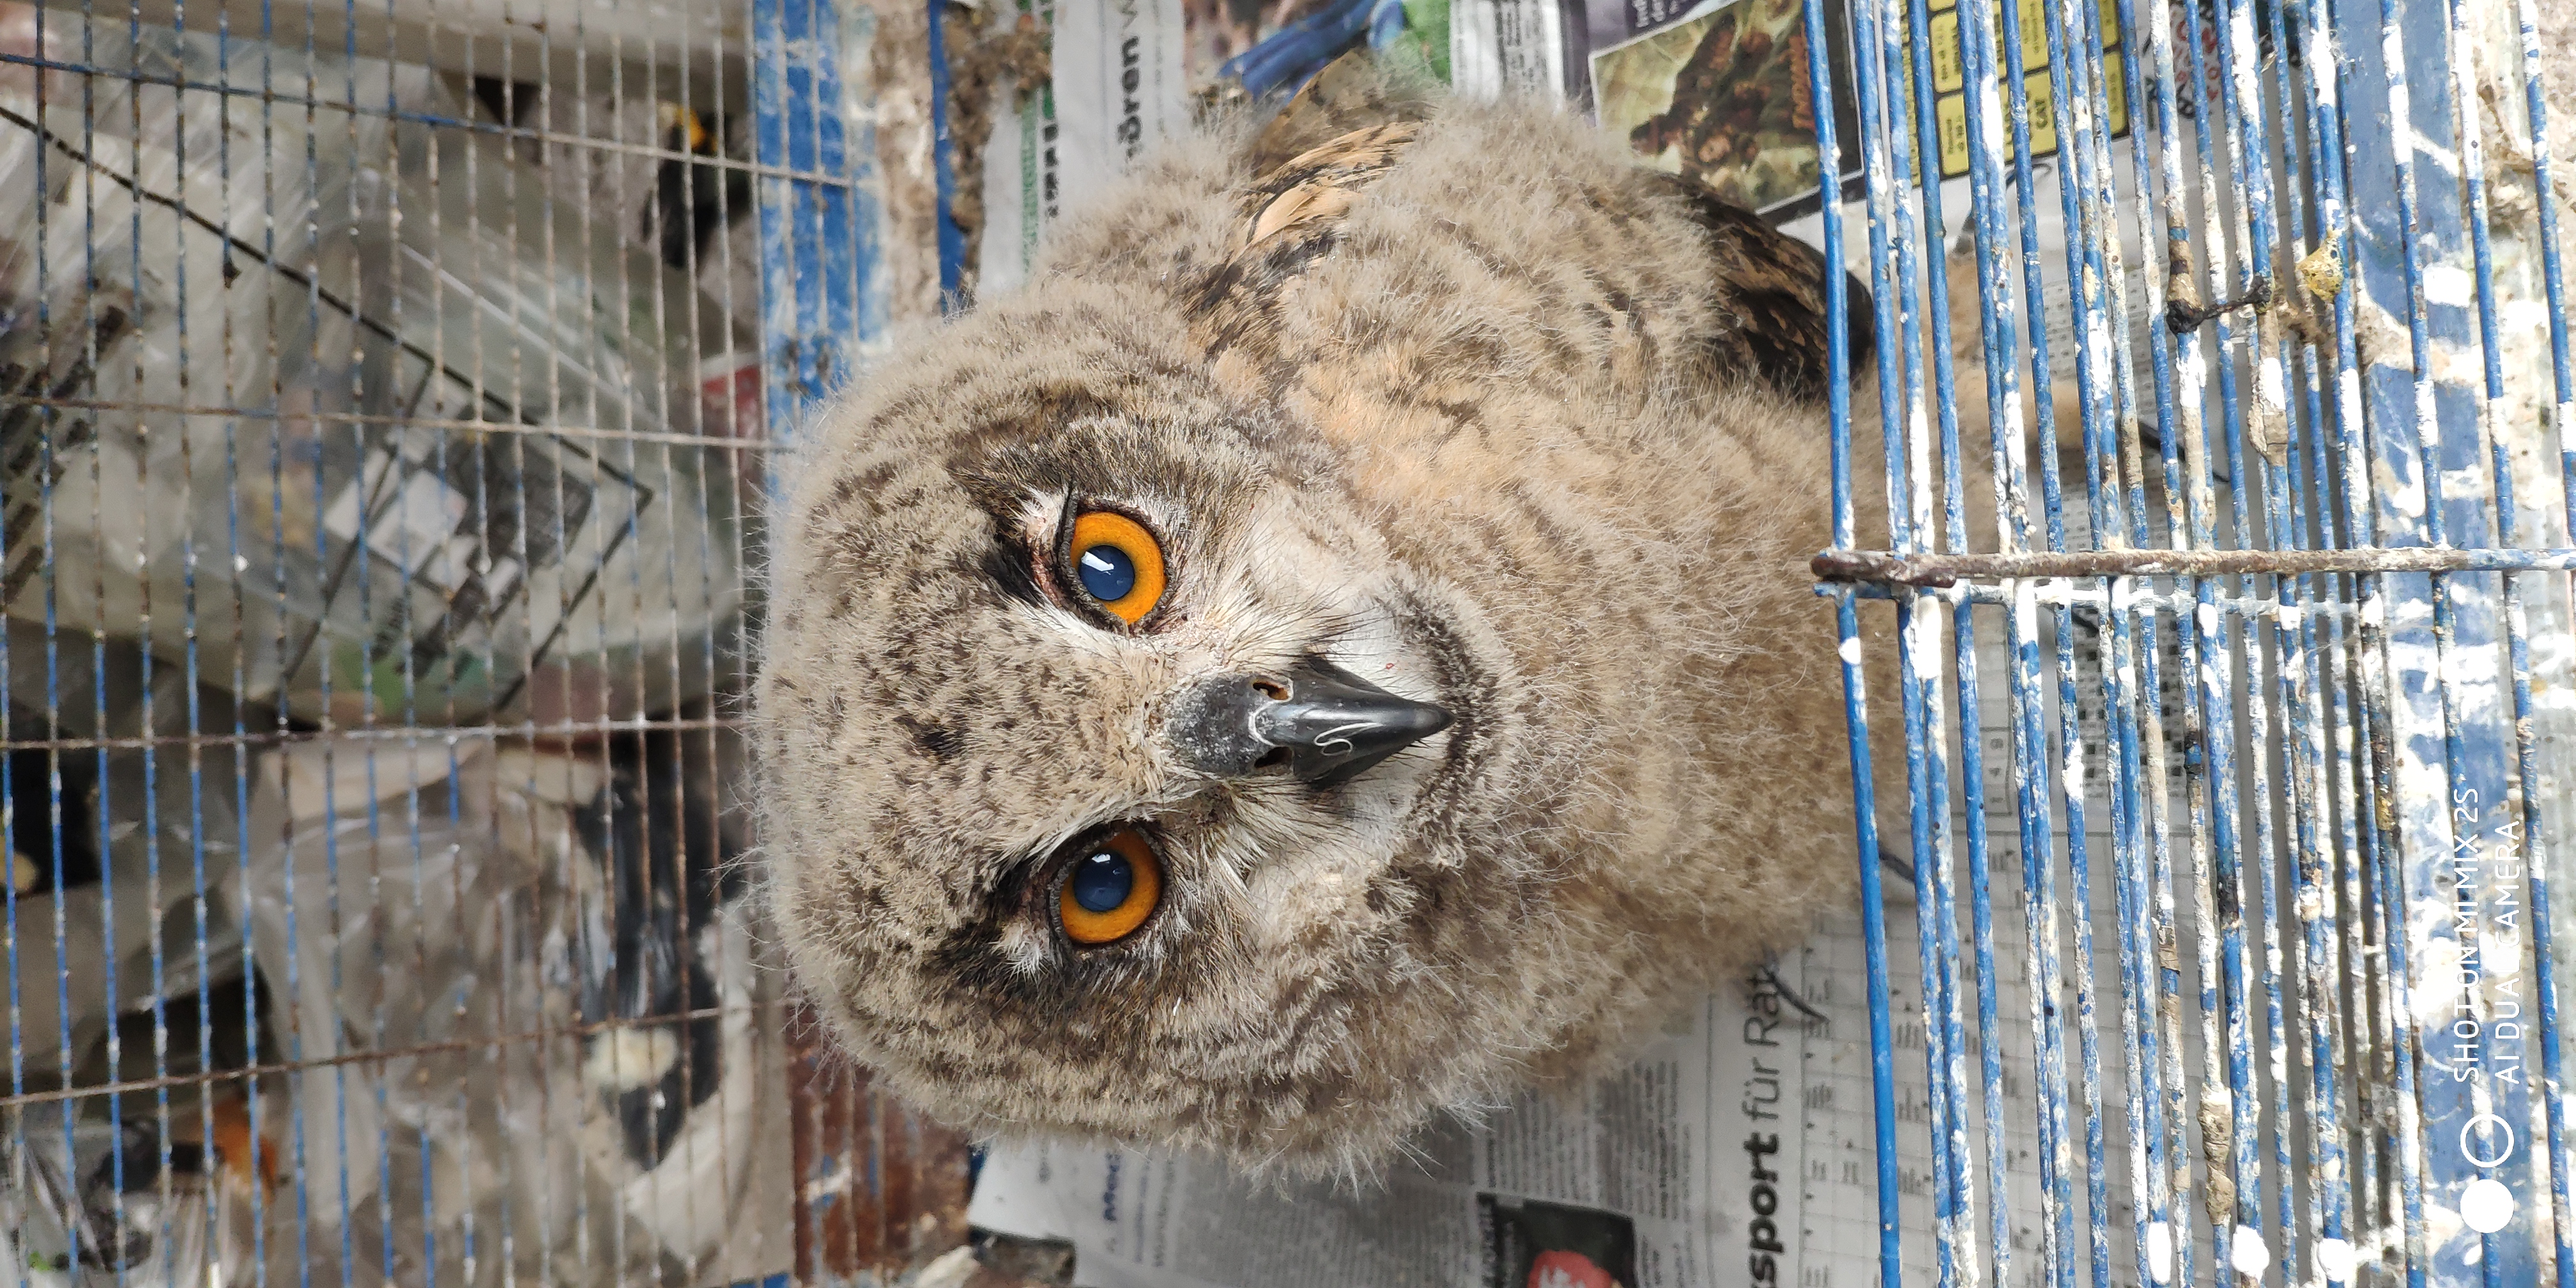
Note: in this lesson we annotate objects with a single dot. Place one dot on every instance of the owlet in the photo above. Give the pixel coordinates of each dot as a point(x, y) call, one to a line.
point(1335, 648)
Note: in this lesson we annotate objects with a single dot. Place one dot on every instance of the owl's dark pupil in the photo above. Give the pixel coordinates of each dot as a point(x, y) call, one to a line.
point(1102, 881)
point(1107, 572)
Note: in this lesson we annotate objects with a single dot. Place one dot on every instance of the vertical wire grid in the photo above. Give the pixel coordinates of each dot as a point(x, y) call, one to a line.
point(389, 394)
point(2282, 693)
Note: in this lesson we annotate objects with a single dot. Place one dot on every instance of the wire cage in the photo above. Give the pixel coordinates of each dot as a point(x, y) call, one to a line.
point(383, 393)
point(2227, 475)
point(388, 395)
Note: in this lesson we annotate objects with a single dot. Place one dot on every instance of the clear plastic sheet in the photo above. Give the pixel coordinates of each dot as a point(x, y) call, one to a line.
point(88, 1203)
point(551, 940)
point(311, 349)
point(112, 847)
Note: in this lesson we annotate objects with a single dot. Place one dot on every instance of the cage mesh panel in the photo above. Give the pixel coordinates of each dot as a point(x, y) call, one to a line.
point(387, 400)
point(2227, 483)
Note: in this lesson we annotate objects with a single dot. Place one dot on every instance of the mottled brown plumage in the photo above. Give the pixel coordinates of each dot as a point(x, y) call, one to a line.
point(1483, 415)
point(1349, 95)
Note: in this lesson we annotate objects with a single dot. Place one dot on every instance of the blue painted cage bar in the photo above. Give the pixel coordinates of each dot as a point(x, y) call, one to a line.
point(2221, 417)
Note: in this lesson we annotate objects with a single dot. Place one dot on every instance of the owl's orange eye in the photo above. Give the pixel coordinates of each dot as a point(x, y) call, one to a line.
point(1113, 885)
point(1117, 563)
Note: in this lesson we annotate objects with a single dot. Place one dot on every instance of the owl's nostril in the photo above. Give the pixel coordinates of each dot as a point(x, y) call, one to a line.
point(1210, 725)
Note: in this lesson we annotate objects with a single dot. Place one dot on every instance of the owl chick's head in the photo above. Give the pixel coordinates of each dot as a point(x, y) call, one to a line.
point(1105, 736)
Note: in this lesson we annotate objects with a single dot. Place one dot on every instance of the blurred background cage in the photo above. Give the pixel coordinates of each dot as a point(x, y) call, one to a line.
point(382, 406)
point(2237, 684)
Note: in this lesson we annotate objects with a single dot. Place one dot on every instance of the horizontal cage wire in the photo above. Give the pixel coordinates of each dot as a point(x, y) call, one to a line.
point(2223, 504)
point(383, 394)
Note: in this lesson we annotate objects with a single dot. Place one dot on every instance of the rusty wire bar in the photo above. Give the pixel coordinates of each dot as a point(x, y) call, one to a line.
point(1935, 570)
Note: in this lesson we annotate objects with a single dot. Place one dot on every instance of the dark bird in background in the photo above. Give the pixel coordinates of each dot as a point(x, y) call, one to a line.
point(693, 201)
point(657, 873)
point(1335, 649)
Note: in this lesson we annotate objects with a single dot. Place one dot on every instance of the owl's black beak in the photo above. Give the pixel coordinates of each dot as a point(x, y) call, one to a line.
point(1321, 723)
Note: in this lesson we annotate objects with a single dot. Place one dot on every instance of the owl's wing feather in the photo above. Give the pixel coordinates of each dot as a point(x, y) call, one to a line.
point(1773, 291)
point(1353, 92)
point(1291, 215)
point(1319, 184)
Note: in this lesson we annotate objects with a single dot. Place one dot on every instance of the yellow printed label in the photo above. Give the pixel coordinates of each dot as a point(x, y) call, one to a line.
point(2033, 20)
point(1950, 113)
point(2043, 114)
point(2034, 34)
point(1949, 73)
point(2115, 87)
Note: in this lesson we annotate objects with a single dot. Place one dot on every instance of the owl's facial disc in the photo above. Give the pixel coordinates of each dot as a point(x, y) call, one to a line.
point(1136, 760)
point(1322, 724)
